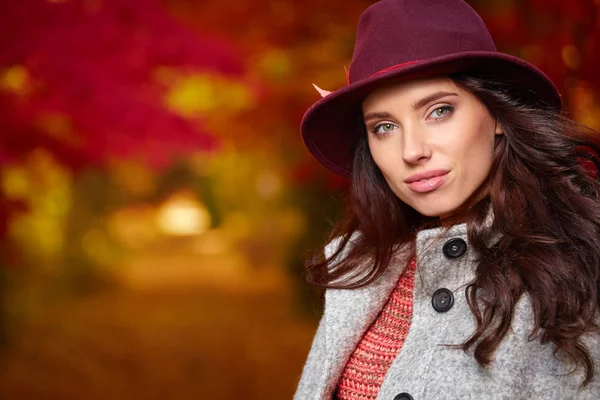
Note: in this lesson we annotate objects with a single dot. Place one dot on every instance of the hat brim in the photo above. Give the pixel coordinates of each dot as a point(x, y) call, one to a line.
point(329, 126)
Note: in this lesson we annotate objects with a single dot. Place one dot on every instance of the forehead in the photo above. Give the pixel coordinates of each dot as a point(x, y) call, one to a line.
point(409, 91)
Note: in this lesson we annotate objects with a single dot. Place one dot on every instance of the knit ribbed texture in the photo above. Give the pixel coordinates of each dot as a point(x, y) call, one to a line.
point(380, 345)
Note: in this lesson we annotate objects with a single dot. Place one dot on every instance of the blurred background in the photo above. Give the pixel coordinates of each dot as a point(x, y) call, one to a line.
point(156, 200)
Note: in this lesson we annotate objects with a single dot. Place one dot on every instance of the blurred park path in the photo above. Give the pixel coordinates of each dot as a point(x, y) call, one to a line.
point(189, 334)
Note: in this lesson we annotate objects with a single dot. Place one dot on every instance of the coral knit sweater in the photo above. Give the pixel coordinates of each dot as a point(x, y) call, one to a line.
point(374, 354)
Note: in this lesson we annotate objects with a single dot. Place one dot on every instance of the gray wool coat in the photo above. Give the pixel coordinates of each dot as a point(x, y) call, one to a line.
point(521, 369)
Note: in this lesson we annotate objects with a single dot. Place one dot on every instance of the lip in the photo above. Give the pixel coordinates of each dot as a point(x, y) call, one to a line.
point(427, 181)
point(426, 175)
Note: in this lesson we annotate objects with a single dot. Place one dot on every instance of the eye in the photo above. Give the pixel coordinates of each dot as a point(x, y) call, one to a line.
point(383, 128)
point(442, 112)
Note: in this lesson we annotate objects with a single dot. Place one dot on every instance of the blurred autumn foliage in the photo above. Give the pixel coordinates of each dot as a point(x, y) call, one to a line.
point(85, 81)
point(155, 142)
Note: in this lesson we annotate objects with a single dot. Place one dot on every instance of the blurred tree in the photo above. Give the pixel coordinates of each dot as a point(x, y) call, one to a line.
point(84, 82)
point(79, 79)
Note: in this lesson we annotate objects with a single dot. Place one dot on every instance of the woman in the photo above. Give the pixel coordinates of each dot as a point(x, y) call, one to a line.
point(469, 262)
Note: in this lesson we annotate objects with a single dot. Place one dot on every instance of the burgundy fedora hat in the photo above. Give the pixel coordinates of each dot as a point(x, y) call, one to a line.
point(408, 39)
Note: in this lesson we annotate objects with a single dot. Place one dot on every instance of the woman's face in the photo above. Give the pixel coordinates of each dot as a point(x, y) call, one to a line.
point(433, 141)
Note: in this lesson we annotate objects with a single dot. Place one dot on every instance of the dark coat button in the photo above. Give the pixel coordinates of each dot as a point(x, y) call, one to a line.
point(442, 300)
point(403, 396)
point(454, 248)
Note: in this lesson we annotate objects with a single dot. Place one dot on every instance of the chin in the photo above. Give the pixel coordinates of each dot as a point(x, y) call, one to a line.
point(434, 211)
point(429, 213)
point(434, 204)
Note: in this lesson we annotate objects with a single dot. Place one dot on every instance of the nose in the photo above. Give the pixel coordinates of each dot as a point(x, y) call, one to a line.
point(414, 146)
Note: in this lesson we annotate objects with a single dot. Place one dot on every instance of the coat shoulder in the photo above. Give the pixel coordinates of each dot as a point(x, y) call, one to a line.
point(548, 371)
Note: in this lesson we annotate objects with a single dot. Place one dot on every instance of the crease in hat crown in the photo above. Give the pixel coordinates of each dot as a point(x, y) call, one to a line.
point(407, 39)
point(449, 27)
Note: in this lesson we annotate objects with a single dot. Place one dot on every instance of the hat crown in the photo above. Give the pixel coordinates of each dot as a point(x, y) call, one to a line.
point(396, 32)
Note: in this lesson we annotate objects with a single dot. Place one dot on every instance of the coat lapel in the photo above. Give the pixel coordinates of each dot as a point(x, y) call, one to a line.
point(350, 312)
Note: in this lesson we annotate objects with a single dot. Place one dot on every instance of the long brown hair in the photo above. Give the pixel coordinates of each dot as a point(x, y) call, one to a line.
point(546, 209)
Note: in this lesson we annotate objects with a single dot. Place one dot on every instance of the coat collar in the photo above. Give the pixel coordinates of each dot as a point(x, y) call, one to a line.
point(350, 312)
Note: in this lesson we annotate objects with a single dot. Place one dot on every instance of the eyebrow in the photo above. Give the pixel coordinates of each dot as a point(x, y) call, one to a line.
point(431, 98)
point(417, 105)
point(377, 115)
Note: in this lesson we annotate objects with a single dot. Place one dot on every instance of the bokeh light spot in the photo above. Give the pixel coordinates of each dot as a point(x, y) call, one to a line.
point(182, 215)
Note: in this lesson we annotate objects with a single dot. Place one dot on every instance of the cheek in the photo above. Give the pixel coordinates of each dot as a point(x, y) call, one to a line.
point(477, 156)
point(390, 164)
point(385, 156)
